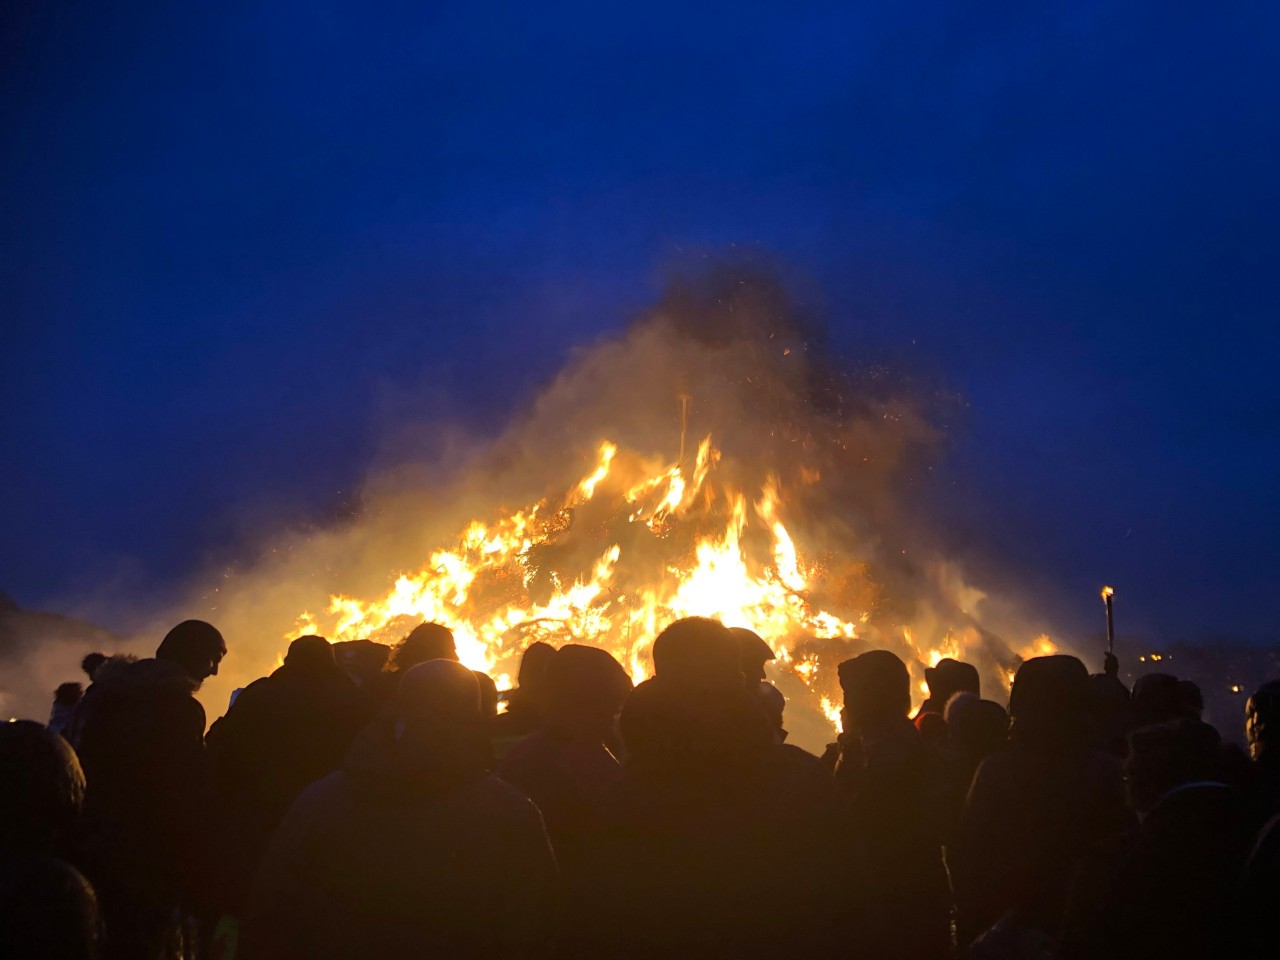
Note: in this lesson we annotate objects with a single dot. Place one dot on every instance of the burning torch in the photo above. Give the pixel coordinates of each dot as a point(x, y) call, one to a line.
point(1107, 595)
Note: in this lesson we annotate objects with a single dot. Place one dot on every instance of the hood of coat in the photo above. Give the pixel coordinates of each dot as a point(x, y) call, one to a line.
point(122, 675)
point(398, 763)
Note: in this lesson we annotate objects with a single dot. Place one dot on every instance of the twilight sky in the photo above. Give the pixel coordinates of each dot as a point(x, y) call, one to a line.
point(243, 245)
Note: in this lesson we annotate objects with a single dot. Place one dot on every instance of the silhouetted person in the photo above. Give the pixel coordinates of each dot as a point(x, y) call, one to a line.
point(716, 842)
point(284, 732)
point(525, 704)
point(977, 728)
point(1112, 708)
point(1260, 892)
point(944, 680)
point(1262, 730)
point(1156, 699)
point(363, 661)
point(139, 732)
point(1169, 892)
point(65, 700)
point(1033, 810)
point(91, 663)
point(566, 767)
point(47, 908)
point(753, 654)
point(1190, 700)
point(900, 793)
point(412, 849)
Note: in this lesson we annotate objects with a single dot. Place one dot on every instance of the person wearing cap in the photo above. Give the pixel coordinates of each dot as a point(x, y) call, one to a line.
point(1034, 809)
point(139, 734)
point(897, 792)
point(753, 654)
point(283, 732)
point(412, 849)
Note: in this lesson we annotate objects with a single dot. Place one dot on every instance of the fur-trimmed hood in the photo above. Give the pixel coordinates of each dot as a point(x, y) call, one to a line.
point(125, 675)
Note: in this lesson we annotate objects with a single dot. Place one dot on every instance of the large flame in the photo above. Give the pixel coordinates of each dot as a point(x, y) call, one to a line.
point(633, 545)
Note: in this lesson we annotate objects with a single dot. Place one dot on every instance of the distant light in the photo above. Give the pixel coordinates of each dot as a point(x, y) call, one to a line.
point(1142, 659)
point(1235, 688)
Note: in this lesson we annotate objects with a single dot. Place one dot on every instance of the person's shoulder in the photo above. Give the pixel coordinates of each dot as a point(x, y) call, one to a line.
point(497, 797)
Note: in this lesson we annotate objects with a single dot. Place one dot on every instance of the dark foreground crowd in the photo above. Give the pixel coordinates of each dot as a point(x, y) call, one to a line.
point(355, 805)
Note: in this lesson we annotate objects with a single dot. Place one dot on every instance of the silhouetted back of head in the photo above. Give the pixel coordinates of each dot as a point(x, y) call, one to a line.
point(533, 665)
point(753, 654)
point(1049, 704)
point(91, 663)
point(43, 787)
point(877, 687)
point(977, 726)
point(1169, 755)
point(427, 641)
point(585, 688)
point(949, 677)
point(699, 651)
point(194, 645)
point(1155, 699)
point(1262, 723)
point(310, 653)
point(68, 694)
point(1190, 699)
point(438, 695)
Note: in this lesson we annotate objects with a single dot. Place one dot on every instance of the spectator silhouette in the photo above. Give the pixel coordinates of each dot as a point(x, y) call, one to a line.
point(977, 728)
point(65, 700)
point(91, 663)
point(900, 792)
point(753, 654)
point(566, 767)
point(410, 850)
point(1169, 892)
point(715, 842)
point(1156, 699)
point(1262, 731)
point(47, 908)
point(525, 704)
point(1033, 810)
point(282, 733)
point(140, 736)
point(363, 661)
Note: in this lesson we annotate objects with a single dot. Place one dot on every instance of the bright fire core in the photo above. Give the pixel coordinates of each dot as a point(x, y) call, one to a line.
point(632, 546)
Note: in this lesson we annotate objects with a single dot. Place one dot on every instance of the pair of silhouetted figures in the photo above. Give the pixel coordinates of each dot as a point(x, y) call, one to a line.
point(355, 804)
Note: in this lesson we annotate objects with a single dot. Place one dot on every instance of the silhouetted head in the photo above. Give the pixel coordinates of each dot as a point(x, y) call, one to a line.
point(361, 659)
point(533, 664)
point(43, 787)
point(1169, 755)
point(195, 646)
point(91, 663)
point(438, 695)
point(585, 689)
point(427, 641)
point(1049, 704)
point(310, 653)
point(1262, 723)
point(68, 694)
point(1155, 699)
point(948, 678)
point(876, 688)
point(697, 650)
point(753, 654)
point(1190, 699)
point(978, 727)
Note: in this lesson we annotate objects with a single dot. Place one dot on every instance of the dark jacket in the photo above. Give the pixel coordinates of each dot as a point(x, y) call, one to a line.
point(397, 855)
point(139, 733)
point(283, 732)
point(715, 843)
point(1030, 818)
point(898, 792)
point(1169, 892)
point(47, 910)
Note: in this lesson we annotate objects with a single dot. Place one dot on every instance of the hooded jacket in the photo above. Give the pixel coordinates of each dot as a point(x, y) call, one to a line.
point(411, 850)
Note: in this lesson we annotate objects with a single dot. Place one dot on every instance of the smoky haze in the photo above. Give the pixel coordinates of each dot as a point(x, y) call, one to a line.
point(727, 352)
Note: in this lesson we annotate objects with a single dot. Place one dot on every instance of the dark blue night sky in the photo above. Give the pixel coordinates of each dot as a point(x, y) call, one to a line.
point(242, 243)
